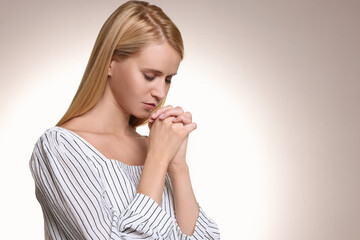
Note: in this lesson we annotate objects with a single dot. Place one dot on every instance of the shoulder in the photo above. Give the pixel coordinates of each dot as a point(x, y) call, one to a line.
point(58, 155)
point(54, 141)
point(59, 146)
point(48, 148)
point(54, 135)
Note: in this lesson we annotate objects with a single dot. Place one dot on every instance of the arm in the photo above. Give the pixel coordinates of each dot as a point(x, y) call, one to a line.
point(152, 178)
point(72, 192)
point(164, 141)
point(186, 206)
point(192, 222)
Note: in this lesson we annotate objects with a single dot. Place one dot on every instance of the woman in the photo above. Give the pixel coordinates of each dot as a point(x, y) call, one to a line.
point(95, 176)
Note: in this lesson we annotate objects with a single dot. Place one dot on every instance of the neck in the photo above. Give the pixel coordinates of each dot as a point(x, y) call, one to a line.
point(107, 116)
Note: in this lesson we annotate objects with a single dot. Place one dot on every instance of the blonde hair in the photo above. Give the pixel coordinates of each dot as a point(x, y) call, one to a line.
point(131, 27)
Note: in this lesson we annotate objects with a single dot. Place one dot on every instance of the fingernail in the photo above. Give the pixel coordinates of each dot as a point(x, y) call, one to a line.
point(153, 115)
point(162, 115)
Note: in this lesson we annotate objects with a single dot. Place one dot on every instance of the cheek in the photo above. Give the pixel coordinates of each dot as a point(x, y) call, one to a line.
point(126, 86)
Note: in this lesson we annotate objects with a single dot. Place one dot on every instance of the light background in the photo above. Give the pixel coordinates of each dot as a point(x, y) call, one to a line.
point(274, 87)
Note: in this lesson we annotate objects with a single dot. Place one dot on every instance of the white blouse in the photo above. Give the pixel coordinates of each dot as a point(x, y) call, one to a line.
point(85, 195)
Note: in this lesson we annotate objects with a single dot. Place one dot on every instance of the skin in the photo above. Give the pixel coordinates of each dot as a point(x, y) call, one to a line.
point(131, 84)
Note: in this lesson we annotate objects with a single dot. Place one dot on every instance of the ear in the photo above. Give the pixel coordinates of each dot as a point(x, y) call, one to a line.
point(110, 68)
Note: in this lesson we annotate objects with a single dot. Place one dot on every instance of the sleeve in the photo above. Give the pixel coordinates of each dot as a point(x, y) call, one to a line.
point(205, 228)
point(69, 190)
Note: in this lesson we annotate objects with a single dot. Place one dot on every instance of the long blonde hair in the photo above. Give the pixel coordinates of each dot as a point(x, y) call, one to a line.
point(130, 28)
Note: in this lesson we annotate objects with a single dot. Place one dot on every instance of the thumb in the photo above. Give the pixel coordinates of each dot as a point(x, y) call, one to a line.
point(190, 127)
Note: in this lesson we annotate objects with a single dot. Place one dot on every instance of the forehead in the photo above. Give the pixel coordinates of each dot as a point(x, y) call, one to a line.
point(160, 56)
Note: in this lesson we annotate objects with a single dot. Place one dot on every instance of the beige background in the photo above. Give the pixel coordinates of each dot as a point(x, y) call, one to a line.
point(274, 87)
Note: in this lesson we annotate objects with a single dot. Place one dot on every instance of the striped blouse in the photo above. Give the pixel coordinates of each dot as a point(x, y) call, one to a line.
point(84, 195)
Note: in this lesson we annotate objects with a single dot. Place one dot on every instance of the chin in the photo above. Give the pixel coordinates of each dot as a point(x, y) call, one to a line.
point(141, 115)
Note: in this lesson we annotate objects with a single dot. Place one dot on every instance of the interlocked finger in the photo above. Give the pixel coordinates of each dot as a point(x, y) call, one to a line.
point(188, 114)
point(184, 118)
point(158, 112)
point(178, 115)
point(171, 112)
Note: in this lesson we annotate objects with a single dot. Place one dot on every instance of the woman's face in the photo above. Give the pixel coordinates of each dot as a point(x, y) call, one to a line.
point(143, 79)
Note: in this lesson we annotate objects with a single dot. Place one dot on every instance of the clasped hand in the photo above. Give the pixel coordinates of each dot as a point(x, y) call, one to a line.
point(179, 123)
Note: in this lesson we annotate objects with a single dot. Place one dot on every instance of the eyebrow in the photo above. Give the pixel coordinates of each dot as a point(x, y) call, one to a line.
point(157, 71)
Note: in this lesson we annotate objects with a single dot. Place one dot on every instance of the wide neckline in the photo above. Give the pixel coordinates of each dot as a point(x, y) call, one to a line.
point(95, 149)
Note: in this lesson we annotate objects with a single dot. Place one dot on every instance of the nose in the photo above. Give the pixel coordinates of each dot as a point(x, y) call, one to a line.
point(159, 89)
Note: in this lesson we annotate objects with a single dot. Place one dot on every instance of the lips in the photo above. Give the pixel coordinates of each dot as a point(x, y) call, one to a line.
point(153, 104)
point(150, 106)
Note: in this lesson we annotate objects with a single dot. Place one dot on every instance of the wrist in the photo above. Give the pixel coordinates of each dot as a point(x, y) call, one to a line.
point(178, 168)
point(157, 158)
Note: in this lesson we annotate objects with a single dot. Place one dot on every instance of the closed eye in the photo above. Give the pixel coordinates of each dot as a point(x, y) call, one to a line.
point(168, 80)
point(148, 78)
